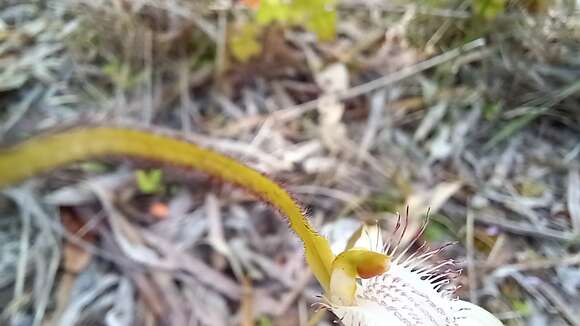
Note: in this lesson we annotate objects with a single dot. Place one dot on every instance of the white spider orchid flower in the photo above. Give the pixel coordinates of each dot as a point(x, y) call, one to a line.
point(410, 291)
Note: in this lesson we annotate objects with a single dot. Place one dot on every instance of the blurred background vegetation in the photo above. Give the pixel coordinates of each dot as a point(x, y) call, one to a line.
point(359, 107)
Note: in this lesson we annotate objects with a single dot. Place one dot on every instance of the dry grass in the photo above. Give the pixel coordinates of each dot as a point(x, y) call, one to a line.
point(401, 110)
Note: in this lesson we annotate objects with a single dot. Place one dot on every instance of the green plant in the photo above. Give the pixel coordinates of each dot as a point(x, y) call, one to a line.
point(317, 16)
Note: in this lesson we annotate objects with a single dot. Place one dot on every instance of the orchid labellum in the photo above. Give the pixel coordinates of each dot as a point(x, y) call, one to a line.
point(408, 289)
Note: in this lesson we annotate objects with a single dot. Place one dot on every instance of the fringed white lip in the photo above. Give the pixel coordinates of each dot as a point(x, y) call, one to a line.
point(413, 292)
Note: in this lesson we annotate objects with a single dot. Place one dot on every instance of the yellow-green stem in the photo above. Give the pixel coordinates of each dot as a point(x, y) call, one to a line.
point(45, 153)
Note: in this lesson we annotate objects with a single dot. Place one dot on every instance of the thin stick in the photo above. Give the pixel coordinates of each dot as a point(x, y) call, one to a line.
point(472, 275)
point(525, 229)
point(405, 72)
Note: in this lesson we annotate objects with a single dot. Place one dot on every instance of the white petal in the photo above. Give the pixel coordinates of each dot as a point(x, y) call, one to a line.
point(371, 314)
point(339, 232)
point(473, 315)
point(370, 238)
point(366, 314)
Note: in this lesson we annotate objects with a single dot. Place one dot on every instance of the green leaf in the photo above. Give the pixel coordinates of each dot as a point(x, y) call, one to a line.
point(522, 307)
point(436, 232)
point(489, 9)
point(244, 43)
point(323, 23)
point(318, 16)
point(94, 167)
point(512, 127)
point(440, 228)
point(265, 321)
point(273, 10)
point(149, 182)
point(491, 111)
point(122, 75)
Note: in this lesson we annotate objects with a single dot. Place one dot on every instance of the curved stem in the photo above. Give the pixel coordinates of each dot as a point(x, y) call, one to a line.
point(45, 153)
